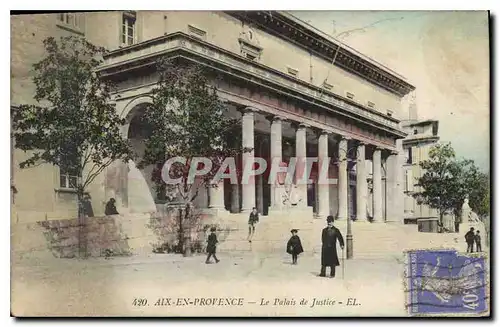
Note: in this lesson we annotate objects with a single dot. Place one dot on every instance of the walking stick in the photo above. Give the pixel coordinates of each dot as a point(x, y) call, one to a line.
point(343, 266)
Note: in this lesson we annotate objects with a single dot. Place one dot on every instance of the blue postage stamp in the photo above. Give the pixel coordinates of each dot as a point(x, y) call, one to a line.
point(446, 282)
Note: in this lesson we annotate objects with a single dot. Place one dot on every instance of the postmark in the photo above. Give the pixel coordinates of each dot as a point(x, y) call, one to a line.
point(446, 282)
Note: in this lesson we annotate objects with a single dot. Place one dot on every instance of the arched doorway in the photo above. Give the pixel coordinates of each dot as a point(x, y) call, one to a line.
point(141, 190)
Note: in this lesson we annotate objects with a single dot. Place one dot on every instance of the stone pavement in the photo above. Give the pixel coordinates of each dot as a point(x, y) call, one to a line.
point(99, 287)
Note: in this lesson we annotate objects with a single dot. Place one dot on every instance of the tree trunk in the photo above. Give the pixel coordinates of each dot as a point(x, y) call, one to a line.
point(180, 236)
point(82, 231)
point(440, 225)
point(187, 231)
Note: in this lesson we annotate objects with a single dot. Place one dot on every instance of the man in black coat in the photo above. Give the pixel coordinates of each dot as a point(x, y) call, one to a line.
point(212, 245)
point(469, 239)
point(329, 257)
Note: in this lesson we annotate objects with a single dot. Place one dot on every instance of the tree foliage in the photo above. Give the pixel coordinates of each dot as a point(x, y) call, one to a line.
point(187, 119)
point(447, 181)
point(72, 125)
point(479, 198)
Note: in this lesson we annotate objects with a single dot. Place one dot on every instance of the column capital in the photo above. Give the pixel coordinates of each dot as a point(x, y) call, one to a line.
point(361, 143)
point(297, 125)
point(340, 137)
point(378, 148)
point(320, 131)
point(248, 110)
point(275, 118)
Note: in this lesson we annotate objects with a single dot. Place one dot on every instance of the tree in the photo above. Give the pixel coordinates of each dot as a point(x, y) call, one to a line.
point(73, 125)
point(439, 182)
point(479, 198)
point(447, 181)
point(187, 119)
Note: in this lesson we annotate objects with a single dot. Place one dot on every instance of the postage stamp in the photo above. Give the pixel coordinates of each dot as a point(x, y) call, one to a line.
point(446, 282)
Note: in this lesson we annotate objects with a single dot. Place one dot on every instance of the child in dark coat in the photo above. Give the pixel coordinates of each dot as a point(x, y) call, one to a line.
point(477, 239)
point(294, 246)
point(212, 245)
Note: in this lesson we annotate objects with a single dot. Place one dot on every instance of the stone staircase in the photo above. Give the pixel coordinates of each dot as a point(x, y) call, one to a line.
point(370, 240)
point(120, 234)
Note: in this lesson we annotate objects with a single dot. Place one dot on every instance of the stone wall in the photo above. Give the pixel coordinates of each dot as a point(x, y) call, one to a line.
point(100, 236)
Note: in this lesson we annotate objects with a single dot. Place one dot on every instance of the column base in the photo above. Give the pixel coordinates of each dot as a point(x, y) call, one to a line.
point(361, 221)
point(218, 211)
point(321, 216)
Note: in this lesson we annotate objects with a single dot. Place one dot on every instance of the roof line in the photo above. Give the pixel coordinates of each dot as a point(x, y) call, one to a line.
point(337, 42)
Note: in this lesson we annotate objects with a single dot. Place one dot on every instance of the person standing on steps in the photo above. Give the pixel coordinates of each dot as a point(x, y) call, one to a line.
point(294, 246)
point(212, 245)
point(477, 239)
point(329, 257)
point(252, 220)
point(469, 239)
point(111, 208)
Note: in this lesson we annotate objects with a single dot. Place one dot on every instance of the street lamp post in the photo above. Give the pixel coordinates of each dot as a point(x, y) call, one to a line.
point(385, 192)
point(349, 236)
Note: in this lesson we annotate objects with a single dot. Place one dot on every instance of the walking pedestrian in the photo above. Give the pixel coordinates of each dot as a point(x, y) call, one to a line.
point(469, 239)
point(212, 245)
point(294, 246)
point(252, 221)
point(329, 257)
point(477, 238)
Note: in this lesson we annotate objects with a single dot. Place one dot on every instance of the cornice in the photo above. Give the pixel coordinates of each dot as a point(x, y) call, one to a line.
point(144, 55)
point(286, 26)
point(421, 140)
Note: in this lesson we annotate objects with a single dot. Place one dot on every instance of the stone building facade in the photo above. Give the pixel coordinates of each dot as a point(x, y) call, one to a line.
point(422, 135)
point(278, 77)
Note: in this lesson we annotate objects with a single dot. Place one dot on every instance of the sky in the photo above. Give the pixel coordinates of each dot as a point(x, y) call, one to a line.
point(445, 55)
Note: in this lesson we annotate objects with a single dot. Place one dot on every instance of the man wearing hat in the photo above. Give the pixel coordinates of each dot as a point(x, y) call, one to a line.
point(329, 257)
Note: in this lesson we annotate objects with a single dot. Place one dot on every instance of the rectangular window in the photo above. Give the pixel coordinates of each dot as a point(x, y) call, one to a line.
point(129, 36)
point(415, 131)
point(349, 95)
point(251, 57)
point(327, 85)
point(408, 156)
point(292, 71)
point(197, 32)
point(68, 177)
point(70, 21)
point(371, 104)
point(409, 181)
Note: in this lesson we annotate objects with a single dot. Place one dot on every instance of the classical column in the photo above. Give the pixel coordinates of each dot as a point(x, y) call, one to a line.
point(248, 186)
point(343, 180)
point(400, 181)
point(301, 169)
point(235, 198)
point(259, 181)
point(361, 184)
point(390, 197)
point(377, 185)
point(216, 196)
point(323, 188)
point(276, 156)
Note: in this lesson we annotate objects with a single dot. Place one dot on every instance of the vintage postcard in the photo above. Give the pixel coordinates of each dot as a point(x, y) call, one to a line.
point(250, 164)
